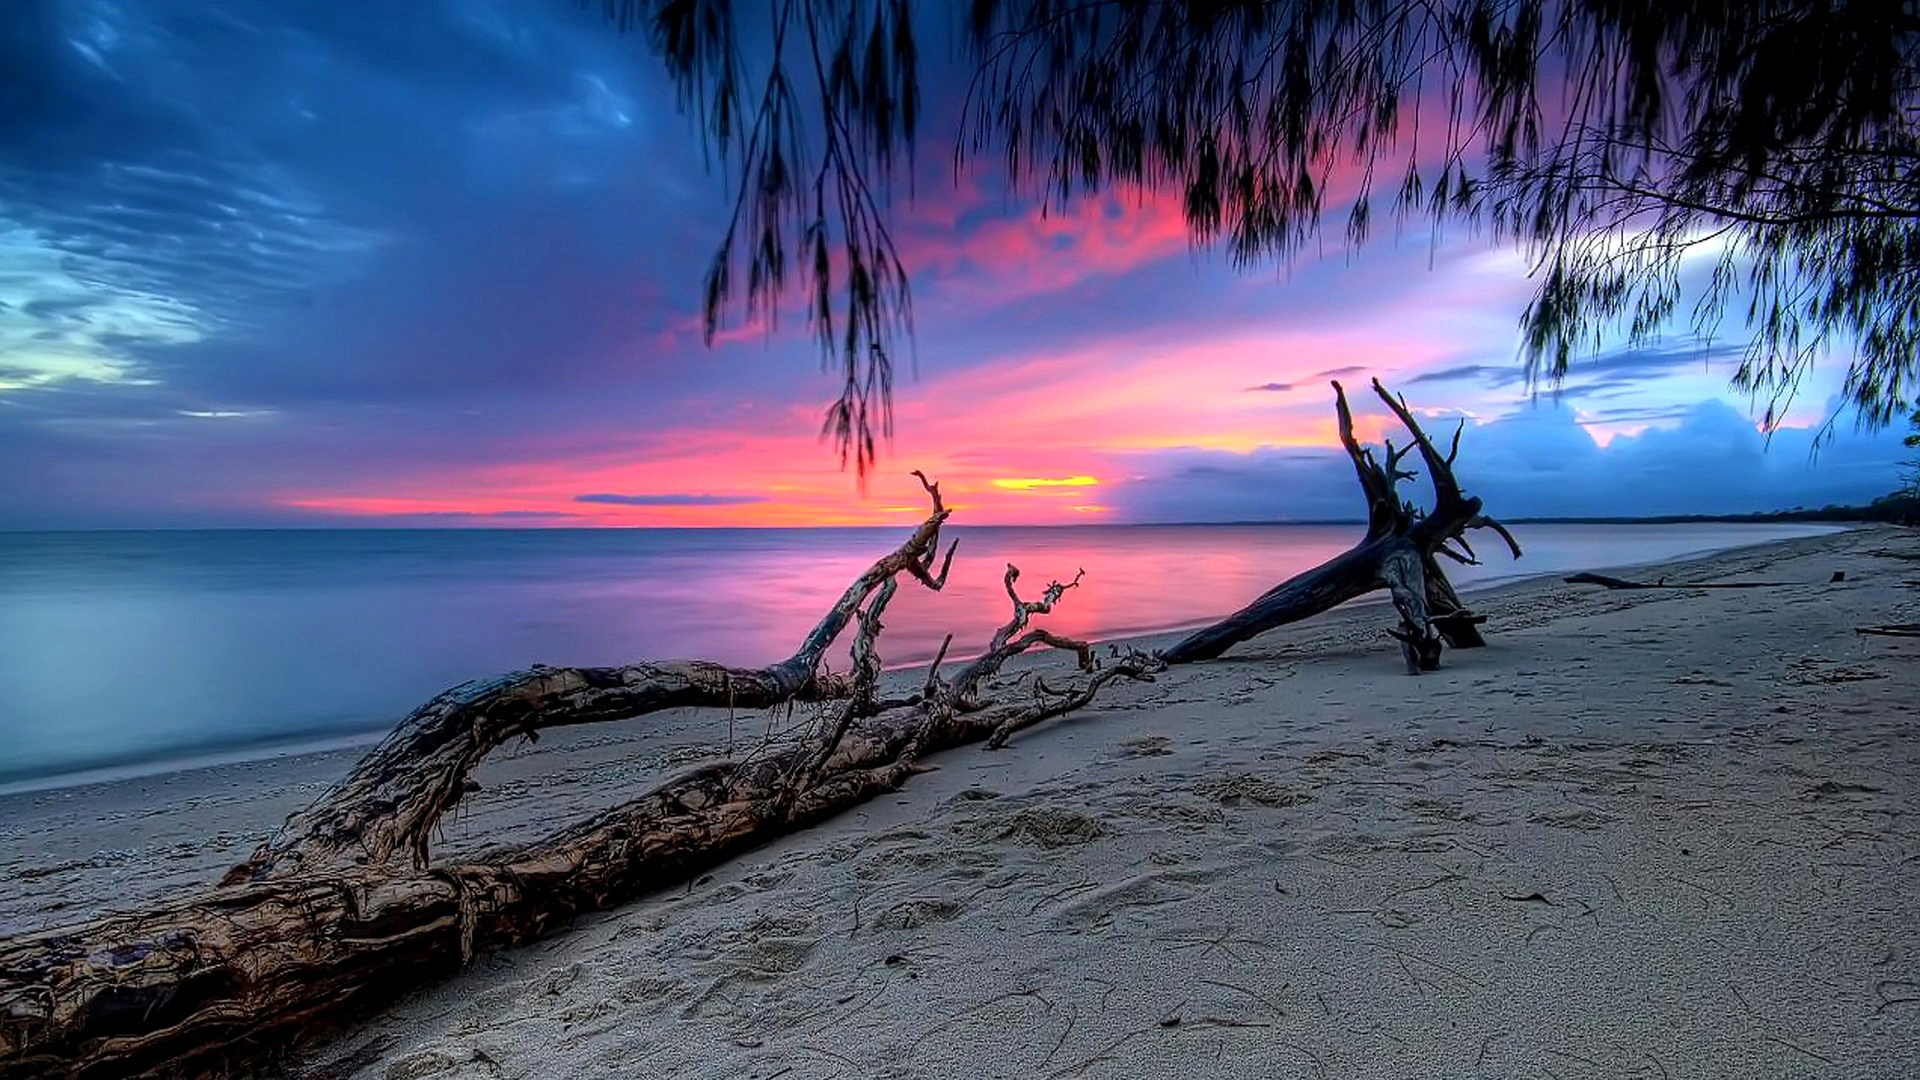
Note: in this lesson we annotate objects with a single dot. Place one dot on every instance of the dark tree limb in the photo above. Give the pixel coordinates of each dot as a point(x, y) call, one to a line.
point(393, 798)
point(1457, 626)
point(1606, 582)
point(1049, 703)
point(1402, 569)
point(1399, 553)
point(1004, 646)
point(326, 922)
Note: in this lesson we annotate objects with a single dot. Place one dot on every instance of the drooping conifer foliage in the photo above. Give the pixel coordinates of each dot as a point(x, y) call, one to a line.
point(1747, 170)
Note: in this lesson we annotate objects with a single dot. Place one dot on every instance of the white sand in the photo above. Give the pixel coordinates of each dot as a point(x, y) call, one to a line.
point(1642, 834)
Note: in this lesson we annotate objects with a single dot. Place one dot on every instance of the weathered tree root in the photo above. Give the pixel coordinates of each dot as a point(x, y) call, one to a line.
point(341, 911)
point(1399, 553)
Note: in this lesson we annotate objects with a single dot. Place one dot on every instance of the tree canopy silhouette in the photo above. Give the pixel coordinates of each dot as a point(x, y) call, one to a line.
point(1660, 162)
point(1910, 468)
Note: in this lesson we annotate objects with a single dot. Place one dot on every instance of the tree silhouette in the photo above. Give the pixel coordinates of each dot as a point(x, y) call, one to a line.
point(1657, 160)
point(1910, 468)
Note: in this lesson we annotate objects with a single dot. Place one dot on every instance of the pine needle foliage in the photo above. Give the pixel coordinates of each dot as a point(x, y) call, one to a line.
point(1748, 169)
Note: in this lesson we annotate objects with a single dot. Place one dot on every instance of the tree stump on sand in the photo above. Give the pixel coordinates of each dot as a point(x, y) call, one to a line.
point(1400, 553)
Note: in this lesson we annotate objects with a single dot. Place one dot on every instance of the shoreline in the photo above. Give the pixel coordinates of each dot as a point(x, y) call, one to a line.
point(329, 746)
point(1639, 834)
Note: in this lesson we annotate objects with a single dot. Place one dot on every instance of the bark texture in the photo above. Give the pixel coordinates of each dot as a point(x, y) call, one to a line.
point(344, 909)
point(1399, 553)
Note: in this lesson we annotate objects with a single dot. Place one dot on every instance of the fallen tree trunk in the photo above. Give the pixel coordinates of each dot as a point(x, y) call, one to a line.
point(328, 920)
point(1399, 553)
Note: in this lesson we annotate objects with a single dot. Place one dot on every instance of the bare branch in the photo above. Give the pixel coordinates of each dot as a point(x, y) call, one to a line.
point(1003, 646)
point(1135, 665)
point(1482, 521)
point(1439, 468)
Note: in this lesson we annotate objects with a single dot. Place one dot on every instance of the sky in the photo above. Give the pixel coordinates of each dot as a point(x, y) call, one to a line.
point(349, 263)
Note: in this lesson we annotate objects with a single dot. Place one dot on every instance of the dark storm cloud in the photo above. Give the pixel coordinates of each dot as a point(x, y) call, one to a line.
point(1273, 387)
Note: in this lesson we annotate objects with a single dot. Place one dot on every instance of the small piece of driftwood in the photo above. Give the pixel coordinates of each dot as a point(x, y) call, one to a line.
point(1604, 581)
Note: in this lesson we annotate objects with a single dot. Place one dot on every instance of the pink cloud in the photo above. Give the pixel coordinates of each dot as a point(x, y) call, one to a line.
point(967, 244)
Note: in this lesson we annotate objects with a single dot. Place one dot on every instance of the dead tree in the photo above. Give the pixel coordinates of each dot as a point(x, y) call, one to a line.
point(344, 908)
point(1400, 553)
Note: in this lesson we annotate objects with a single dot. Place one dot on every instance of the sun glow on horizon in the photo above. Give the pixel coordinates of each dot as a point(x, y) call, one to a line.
point(1030, 483)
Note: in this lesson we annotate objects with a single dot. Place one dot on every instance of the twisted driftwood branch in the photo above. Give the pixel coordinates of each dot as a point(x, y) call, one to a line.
point(400, 790)
point(325, 922)
point(1399, 553)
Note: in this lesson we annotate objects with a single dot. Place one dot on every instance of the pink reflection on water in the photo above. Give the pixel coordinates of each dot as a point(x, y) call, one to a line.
point(1137, 579)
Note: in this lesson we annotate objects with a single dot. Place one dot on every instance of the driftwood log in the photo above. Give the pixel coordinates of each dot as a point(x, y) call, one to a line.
point(344, 909)
point(1400, 553)
point(1606, 582)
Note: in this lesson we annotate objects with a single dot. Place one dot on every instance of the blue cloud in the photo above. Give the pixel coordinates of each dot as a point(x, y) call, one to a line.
point(1488, 373)
point(1538, 462)
point(291, 203)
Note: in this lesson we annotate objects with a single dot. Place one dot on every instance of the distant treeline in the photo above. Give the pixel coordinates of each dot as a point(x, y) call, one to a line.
point(1897, 509)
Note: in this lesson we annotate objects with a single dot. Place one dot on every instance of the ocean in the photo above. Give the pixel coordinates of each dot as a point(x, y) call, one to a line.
point(127, 652)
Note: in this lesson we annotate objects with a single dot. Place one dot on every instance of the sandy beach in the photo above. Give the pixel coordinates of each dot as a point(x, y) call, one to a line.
point(1659, 834)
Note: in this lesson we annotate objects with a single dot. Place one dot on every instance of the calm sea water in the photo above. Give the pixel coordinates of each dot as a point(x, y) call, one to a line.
point(138, 650)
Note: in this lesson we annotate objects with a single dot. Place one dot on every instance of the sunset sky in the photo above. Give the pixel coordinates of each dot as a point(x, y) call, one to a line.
point(438, 263)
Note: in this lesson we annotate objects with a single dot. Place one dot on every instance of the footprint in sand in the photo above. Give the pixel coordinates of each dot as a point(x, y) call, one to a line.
point(1441, 810)
point(1581, 820)
point(1097, 909)
point(1147, 746)
point(1833, 790)
point(1231, 789)
point(765, 949)
point(1189, 814)
point(1037, 826)
point(933, 860)
point(919, 911)
point(446, 1062)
